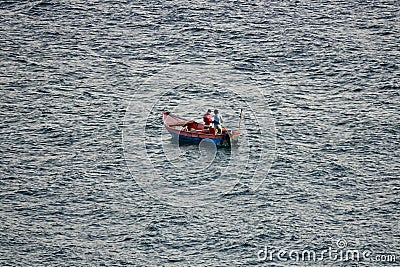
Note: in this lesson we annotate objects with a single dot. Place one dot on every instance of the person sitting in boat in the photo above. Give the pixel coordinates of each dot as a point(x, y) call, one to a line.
point(188, 126)
point(207, 118)
point(218, 121)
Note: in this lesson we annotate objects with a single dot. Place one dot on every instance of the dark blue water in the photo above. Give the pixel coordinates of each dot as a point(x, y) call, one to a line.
point(81, 84)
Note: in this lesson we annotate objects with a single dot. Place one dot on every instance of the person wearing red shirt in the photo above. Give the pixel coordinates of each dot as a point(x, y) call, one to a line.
point(207, 118)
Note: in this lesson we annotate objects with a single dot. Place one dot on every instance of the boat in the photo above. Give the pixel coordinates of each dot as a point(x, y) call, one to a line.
point(192, 132)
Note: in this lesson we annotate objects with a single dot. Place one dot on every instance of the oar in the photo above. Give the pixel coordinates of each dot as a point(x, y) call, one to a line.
point(240, 117)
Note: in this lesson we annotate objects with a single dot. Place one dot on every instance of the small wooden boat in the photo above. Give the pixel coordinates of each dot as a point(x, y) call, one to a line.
point(192, 132)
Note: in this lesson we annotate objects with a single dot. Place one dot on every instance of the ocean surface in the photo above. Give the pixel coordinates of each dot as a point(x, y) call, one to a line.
point(90, 177)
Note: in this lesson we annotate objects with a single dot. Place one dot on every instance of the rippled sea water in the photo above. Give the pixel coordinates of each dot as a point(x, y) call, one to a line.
point(330, 75)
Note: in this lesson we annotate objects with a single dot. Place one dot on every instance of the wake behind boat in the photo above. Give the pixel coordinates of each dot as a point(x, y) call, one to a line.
point(192, 132)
